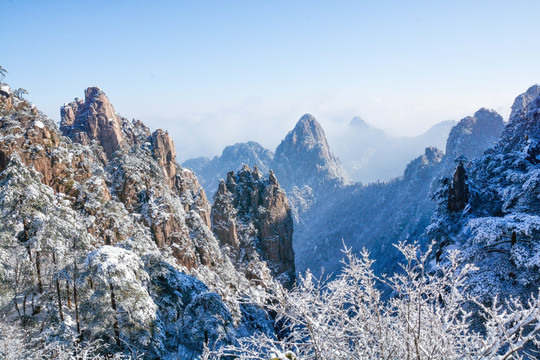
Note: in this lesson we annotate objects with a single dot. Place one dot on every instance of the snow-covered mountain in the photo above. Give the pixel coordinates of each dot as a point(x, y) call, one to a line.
point(106, 238)
point(378, 215)
point(252, 219)
point(369, 154)
point(498, 228)
point(303, 162)
point(210, 171)
point(304, 158)
point(107, 243)
point(330, 210)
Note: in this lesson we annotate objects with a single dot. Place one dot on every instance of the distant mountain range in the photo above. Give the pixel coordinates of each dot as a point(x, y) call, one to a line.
point(366, 153)
point(369, 154)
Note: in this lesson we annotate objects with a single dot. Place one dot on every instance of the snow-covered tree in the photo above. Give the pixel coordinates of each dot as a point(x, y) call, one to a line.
point(117, 305)
point(425, 317)
point(42, 239)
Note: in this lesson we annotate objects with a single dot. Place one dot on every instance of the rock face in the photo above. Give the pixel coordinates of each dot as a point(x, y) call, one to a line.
point(521, 103)
point(304, 157)
point(472, 135)
point(185, 184)
point(92, 119)
point(499, 230)
point(164, 152)
point(459, 191)
point(35, 138)
point(251, 216)
point(211, 171)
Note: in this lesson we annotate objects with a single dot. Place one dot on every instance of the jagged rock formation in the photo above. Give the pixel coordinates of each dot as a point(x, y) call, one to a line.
point(143, 175)
point(164, 152)
point(499, 229)
point(210, 172)
point(36, 139)
point(522, 102)
point(458, 196)
point(92, 119)
point(251, 216)
point(108, 210)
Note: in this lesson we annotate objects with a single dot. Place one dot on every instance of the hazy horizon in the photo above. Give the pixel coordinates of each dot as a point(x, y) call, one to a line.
point(217, 73)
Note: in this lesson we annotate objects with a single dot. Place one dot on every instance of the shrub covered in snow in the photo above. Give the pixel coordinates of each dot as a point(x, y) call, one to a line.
point(425, 318)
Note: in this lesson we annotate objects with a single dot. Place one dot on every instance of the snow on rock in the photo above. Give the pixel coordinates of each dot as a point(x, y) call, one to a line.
point(107, 213)
point(252, 218)
point(499, 229)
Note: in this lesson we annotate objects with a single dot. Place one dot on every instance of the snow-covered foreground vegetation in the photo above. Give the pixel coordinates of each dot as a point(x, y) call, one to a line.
point(429, 315)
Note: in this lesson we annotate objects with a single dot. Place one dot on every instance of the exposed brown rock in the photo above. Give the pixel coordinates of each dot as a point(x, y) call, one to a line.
point(187, 186)
point(6, 100)
point(252, 217)
point(224, 217)
point(93, 119)
point(182, 181)
point(36, 141)
point(164, 152)
point(137, 188)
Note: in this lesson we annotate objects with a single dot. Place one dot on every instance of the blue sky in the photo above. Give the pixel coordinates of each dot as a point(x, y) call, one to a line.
point(218, 72)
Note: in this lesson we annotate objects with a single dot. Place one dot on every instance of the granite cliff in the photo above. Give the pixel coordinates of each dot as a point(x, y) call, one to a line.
point(106, 223)
point(252, 218)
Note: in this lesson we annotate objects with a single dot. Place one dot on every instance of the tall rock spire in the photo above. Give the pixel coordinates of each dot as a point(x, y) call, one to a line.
point(92, 119)
point(251, 216)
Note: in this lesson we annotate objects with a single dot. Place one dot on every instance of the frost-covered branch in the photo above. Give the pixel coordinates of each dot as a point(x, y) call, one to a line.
point(425, 317)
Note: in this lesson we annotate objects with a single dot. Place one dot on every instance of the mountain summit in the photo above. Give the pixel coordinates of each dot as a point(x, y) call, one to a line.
point(522, 101)
point(304, 157)
point(92, 119)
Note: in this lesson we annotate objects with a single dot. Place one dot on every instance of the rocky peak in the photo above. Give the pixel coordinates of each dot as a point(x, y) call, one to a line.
point(251, 216)
point(92, 119)
point(305, 153)
point(522, 133)
point(359, 123)
point(474, 134)
point(307, 134)
point(459, 191)
point(210, 171)
point(522, 101)
point(35, 138)
point(182, 181)
point(164, 152)
point(417, 167)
